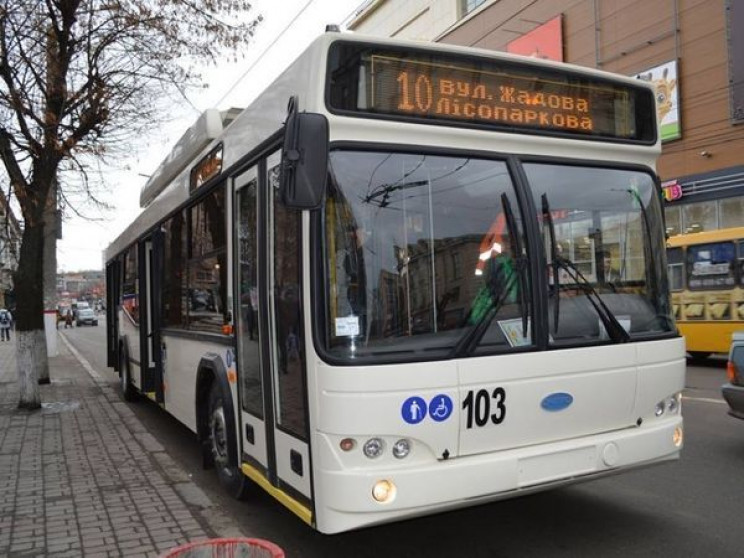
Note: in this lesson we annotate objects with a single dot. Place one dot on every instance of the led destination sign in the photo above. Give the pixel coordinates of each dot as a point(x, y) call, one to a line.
point(446, 92)
point(501, 94)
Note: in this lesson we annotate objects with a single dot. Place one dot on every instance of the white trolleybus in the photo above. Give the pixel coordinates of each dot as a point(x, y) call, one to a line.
point(407, 278)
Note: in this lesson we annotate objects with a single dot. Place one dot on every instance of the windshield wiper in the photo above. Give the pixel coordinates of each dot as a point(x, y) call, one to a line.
point(498, 295)
point(553, 259)
point(614, 330)
point(612, 326)
point(511, 225)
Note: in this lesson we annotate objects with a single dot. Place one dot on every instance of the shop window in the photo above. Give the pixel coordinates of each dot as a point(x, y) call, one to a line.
point(673, 218)
point(701, 216)
point(732, 212)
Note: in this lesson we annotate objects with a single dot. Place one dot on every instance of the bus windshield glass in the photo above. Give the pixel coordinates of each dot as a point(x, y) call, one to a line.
point(599, 227)
point(427, 257)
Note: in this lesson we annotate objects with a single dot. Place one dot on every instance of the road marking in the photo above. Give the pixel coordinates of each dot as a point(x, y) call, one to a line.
point(81, 359)
point(703, 400)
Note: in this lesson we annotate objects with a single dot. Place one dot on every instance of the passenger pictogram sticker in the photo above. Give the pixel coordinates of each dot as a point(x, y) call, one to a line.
point(413, 410)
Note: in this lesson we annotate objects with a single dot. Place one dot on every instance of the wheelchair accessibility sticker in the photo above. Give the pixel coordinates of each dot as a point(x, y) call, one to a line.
point(415, 409)
point(440, 407)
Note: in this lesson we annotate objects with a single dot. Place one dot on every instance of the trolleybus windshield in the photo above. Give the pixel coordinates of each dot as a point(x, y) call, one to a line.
point(422, 250)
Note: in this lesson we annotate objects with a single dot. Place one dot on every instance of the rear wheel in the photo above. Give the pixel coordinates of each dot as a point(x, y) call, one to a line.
point(231, 478)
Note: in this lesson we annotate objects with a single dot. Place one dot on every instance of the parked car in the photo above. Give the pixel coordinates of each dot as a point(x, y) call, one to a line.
point(86, 316)
point(733, 391)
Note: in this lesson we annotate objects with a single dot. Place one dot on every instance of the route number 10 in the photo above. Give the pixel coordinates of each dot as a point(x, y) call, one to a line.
point(478, 406)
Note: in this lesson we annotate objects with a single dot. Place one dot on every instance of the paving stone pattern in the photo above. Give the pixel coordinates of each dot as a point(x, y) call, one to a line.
point(83, 477)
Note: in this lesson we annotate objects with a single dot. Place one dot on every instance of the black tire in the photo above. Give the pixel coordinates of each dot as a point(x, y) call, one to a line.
point(128, 392)
point(231, 477)
point(699, 355)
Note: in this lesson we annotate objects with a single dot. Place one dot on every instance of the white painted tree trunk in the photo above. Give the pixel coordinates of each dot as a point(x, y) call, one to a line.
point(31, 356)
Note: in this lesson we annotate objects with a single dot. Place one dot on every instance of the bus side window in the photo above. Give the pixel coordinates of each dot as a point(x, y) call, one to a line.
point(676, 267)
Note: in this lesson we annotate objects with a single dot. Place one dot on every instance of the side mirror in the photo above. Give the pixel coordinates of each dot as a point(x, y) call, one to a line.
point(304, 169)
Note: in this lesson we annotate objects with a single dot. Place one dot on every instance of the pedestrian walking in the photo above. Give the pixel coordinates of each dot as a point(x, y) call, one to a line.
point(6, 322)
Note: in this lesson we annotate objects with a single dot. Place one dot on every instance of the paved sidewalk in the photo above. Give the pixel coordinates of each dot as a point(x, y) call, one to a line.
point(83, 477)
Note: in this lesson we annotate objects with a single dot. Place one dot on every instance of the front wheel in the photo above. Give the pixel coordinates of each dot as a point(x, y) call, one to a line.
point(230, 476)
point(125, 378)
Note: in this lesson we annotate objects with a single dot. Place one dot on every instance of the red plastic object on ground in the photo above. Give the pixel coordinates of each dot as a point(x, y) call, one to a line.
point(227, 548)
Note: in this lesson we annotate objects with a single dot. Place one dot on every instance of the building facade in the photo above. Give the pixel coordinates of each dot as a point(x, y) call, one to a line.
point(693, 50)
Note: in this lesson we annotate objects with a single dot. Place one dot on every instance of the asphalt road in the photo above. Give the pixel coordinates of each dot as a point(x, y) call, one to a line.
point(692, 507)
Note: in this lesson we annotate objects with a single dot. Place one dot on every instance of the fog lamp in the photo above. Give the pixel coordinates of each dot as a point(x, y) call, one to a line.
point(384, 491)
point(677, 436)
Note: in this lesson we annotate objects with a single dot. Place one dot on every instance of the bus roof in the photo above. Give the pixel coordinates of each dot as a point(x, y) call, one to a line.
point(704, 237)
point(237, 133)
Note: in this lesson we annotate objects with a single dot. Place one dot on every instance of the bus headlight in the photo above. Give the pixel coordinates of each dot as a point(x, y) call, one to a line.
point(401, 448)
point(673, 403)
point(373, 447)
point(669, 405)
point(384, 491)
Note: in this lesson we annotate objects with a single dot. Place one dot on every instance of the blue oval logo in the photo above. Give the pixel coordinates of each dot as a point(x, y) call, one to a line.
point(557, 401)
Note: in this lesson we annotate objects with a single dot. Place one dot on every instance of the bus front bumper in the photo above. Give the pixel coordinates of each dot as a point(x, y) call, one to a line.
point(344, 498)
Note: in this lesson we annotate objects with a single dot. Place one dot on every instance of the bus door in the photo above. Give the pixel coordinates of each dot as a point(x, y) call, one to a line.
point(150, 346)
point(271, 352)
point(113, 287)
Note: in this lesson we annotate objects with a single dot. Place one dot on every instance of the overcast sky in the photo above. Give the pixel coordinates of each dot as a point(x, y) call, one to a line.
point(287, 28)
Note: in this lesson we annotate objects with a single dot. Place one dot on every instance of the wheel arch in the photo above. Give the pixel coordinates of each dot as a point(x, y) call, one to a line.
point(212, 371)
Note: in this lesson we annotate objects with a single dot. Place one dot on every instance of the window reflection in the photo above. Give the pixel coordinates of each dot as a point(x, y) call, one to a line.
point(130, 286)
point(606, 225)
point(420, 251)
point(195, 266)
point(174, 269)
point(289, 348)
point(249, 346)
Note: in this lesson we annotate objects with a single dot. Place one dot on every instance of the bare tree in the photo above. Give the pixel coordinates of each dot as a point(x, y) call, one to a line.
point(77, 79)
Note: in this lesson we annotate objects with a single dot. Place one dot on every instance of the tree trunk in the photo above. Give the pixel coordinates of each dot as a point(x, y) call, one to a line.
point(31, 356)
point(31, 352)
point(51, 233)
